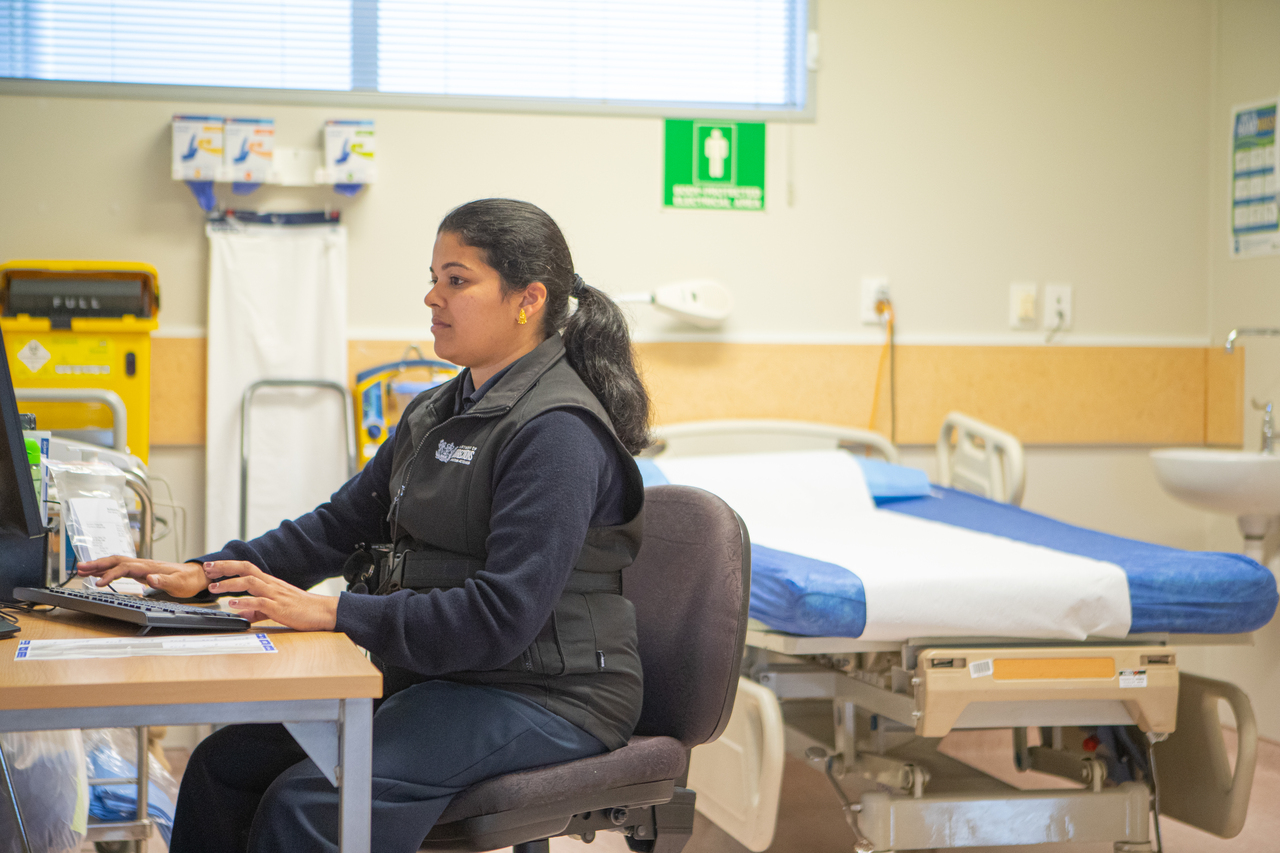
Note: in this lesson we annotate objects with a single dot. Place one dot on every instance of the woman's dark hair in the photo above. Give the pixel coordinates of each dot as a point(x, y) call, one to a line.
point(525, 245)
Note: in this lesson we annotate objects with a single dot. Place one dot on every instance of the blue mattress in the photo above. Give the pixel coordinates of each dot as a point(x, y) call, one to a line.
point(1170, 590)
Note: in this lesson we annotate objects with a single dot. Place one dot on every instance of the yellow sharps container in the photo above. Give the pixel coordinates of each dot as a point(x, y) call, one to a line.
point(82, 326)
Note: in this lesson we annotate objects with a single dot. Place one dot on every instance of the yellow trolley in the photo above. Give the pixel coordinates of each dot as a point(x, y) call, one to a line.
point(78, 339)
point(383, 392)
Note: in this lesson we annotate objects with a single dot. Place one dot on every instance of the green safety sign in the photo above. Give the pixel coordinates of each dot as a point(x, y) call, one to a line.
point(714, 165)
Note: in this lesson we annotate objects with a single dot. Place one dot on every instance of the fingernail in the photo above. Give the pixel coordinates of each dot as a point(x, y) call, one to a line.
point(208, 565)
point(213, 587)
point(153, 579)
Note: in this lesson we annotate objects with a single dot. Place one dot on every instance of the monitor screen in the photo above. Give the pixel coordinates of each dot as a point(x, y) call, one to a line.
point(22, 540)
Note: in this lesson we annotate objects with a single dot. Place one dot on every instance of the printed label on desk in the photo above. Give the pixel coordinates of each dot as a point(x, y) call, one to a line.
point(1133, 678)
point(127, 647)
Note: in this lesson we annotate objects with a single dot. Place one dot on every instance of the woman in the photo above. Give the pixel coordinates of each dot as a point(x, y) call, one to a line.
point(510, 503)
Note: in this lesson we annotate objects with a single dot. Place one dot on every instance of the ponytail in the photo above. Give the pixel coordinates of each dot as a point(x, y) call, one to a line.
point(598, 345)
point(525, 245)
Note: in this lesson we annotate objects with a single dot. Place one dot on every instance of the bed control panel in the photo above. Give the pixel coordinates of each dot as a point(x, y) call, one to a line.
point(1001, 687)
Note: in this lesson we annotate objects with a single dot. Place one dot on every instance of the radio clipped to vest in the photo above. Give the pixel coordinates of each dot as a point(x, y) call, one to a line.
point(364, 568)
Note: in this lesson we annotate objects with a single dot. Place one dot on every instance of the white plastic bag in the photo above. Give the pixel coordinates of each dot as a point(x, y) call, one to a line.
point(93, 507)
point(49, 779)
point(113, 754)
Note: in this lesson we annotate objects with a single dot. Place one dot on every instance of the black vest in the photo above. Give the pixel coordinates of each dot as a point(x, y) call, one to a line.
point(584, 664)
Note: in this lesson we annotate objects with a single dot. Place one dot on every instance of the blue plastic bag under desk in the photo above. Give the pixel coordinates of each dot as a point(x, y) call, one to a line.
point(1170, 590)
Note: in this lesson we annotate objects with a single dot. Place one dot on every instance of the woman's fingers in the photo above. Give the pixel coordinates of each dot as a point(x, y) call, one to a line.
point(253, 609)
point(177, 584)
point(111, 575)
point(94, 567)
point(251, 585)
point(268, 597)
point(232, 568)
point(124, 568)
point(181, 580)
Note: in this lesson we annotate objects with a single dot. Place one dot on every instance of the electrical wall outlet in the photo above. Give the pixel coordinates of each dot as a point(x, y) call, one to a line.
point(1057, 307)
point(874, 289)
point(1023, 311)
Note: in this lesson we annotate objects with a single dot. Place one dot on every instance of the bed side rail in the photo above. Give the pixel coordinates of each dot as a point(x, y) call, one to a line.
point(1197, 785)
point(755, 435)
point(976, 457)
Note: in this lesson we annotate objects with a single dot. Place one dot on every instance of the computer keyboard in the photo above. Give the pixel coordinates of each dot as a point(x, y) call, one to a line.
point(133, 608)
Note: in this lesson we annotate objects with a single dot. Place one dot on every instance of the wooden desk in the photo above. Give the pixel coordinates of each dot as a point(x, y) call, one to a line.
point(318, 684)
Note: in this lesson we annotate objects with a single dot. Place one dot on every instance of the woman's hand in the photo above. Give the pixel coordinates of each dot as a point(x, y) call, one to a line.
point(180, 580)
point(272, 598)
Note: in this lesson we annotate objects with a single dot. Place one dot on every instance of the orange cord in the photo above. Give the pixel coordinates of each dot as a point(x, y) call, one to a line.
point(884, 308)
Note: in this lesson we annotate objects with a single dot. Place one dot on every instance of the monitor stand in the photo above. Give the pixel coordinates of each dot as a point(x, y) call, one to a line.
point(22, 562)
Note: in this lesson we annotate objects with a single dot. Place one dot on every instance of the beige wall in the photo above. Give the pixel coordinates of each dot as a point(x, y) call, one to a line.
point(1246, 292)
point(957, 147)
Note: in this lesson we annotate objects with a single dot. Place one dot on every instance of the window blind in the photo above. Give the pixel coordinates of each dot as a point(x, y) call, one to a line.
point(721, 53)
point(280, 44)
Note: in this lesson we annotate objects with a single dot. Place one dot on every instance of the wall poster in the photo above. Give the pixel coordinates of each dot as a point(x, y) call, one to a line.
point(1255, 218)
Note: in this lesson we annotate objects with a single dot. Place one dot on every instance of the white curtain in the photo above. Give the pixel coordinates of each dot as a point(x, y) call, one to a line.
point(277, 310)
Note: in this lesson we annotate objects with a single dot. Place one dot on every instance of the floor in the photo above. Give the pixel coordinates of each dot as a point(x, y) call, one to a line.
point(810, 821)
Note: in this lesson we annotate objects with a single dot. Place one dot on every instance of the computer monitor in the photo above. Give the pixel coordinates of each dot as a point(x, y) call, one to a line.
point(23, 542)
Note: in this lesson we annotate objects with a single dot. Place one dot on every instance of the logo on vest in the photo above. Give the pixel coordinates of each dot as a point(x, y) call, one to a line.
point(450, 452)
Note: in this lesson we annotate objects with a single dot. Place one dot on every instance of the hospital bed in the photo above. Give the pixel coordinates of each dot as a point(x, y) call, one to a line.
point(869, 702)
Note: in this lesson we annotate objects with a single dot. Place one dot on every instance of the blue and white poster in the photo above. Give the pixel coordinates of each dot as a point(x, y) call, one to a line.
point(1255, 216)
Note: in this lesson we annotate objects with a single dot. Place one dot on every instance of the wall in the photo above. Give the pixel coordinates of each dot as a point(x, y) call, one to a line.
point(1246, 292)
point(957, 147)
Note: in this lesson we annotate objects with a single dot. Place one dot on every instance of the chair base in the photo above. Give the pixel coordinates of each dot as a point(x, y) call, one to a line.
point(542, 845)
point(651, 827)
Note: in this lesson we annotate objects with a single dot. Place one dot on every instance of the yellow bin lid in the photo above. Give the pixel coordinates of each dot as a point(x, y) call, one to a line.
point(83, 270)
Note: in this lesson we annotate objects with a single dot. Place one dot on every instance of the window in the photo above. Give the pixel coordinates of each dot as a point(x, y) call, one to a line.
point(744, 55)
point(284, 44)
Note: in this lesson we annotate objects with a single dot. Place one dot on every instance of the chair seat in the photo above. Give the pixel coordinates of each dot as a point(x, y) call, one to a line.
point(643, 759)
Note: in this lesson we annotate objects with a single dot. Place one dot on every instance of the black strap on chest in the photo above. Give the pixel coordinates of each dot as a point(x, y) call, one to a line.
point(423, 571)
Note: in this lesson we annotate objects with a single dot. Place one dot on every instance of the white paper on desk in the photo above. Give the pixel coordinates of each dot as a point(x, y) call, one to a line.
point(128, 647)
point(100, 528)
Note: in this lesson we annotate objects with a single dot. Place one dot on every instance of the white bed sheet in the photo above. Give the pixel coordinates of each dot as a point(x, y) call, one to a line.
point(921, 578)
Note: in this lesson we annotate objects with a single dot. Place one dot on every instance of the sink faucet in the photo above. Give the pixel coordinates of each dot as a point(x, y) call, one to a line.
point(1268, 427)
point(1242, 333)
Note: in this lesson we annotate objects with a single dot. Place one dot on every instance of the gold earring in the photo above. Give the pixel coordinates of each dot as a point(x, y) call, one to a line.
point(522, 319)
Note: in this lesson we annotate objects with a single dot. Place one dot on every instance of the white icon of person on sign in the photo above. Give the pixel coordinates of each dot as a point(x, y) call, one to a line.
point(716, 150)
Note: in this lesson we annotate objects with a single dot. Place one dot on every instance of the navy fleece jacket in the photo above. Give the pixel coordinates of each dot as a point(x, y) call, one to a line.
point(559, 475)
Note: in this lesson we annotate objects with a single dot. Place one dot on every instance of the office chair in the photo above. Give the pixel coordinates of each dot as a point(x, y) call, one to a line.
point(690, 585)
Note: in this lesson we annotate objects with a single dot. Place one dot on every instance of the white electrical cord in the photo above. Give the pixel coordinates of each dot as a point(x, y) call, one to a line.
point(1062, 319)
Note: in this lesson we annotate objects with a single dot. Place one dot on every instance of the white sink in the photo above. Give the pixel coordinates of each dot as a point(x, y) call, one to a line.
point(1231, 482)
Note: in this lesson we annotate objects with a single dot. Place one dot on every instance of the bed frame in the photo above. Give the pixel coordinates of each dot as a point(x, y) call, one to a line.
point(871, 714)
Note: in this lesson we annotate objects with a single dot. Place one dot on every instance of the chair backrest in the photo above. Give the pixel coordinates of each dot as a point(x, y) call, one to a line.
point(690, 585)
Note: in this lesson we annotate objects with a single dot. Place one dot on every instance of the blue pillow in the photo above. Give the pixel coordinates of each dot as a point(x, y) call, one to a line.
point(888, 482)
point(650, 473)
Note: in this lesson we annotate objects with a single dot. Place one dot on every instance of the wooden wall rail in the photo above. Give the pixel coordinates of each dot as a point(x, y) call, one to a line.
point(1044, 395)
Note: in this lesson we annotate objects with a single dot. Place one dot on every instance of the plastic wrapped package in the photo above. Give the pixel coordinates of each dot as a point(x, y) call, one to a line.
point(93, 501)
point(112, 754)
point(49, 780)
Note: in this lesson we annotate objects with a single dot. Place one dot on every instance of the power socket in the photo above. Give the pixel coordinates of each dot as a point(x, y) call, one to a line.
point(1057, 307)
point(1023, 312)
point(874, 289)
